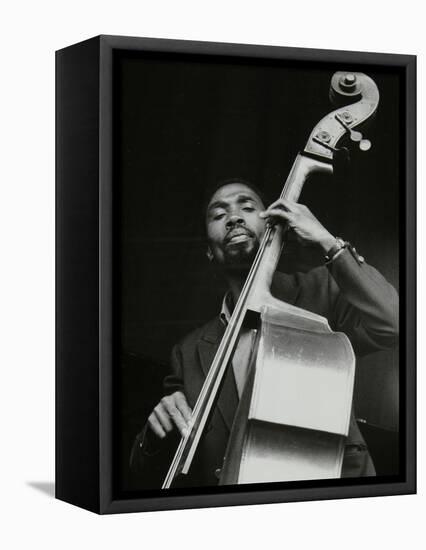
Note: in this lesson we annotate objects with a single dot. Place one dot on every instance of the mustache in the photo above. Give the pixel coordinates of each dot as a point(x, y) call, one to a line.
point(238, 231)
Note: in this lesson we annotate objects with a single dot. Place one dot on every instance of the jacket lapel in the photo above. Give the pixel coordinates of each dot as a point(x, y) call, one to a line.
point(207, 347)
point(284, 287)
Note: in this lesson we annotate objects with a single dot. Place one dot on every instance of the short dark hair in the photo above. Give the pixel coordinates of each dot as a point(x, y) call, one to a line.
point(217, 184)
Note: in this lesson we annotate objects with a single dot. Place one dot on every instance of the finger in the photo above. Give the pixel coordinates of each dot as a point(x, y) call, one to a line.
point(179, 421)
point(155, 426)
point(184, 408)
point(163, 418)
point(176, 416)
point(285, 204)
point(276, 213)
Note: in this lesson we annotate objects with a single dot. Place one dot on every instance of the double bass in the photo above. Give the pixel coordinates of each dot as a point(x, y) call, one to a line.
point(293, 417)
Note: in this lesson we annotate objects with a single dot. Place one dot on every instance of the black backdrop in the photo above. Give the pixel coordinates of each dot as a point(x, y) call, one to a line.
point(181, 122)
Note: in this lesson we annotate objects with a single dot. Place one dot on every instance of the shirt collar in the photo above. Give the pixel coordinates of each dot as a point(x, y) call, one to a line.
point(225, 313)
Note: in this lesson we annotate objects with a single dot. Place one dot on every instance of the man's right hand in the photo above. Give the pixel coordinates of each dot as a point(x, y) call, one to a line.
point(171, 412)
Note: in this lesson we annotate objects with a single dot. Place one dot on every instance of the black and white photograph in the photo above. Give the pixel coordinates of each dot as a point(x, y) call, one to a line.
point(257, 213)
point(242, 246)
point(211, 298)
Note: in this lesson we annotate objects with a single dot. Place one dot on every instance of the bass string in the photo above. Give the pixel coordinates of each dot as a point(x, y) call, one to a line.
point(233, 325)
point(239, 307)
point(235, 321)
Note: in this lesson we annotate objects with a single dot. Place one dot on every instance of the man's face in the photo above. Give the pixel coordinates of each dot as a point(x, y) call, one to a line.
point(234, 228)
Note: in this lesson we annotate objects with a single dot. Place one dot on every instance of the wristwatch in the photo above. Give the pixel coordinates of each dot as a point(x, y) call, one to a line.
point(338, 247)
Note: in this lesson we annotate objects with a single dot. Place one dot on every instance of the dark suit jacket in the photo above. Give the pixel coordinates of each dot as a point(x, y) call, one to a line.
point(354, 298)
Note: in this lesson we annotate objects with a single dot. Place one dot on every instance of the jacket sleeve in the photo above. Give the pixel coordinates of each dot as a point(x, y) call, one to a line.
point(150, 456)
point(362, 304)
point(174, 381)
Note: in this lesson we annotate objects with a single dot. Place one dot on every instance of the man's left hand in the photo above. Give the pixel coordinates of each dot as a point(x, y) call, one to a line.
point(300, 219)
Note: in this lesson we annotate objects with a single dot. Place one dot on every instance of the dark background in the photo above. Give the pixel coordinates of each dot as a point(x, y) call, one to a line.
point(182, 122)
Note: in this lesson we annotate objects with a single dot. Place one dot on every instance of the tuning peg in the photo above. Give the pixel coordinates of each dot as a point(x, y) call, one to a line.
point(355, 136)
point(365, 144)
point(345, 118)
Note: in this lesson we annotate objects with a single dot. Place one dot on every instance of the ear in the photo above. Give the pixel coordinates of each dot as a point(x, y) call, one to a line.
point(209, 254)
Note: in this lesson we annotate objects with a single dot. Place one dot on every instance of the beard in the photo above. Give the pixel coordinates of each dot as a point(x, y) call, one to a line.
point(238, 259)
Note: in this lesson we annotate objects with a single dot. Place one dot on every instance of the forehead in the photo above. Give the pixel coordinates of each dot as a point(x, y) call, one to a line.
point(233, 191)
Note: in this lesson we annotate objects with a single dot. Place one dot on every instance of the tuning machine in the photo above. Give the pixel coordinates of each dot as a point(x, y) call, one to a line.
point(345, 118)
point(341, 155)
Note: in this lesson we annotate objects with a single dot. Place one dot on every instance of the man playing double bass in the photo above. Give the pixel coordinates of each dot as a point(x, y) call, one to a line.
point(352, 295)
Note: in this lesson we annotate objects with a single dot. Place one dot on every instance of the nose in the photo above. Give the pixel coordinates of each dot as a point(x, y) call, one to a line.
point(234, 219)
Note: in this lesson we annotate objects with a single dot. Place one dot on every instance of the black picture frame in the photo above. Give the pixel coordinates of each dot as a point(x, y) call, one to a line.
point(85, 292)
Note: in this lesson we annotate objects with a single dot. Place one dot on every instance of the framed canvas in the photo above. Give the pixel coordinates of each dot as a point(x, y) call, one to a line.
point(180, 384)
